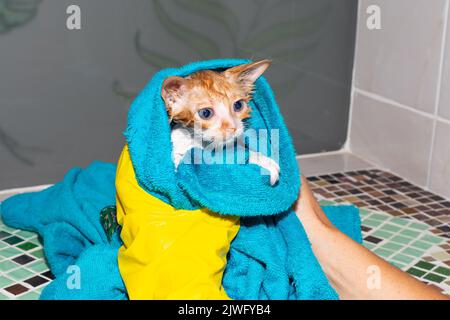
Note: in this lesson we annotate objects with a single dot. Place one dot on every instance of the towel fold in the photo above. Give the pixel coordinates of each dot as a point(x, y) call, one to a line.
point(67, 217)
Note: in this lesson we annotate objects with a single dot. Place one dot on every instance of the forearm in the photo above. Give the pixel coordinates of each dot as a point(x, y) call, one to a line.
point(349, 267)
point(354, 271)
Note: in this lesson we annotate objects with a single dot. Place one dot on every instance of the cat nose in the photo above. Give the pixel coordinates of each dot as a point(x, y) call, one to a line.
point(230, 130)
point(228, 127)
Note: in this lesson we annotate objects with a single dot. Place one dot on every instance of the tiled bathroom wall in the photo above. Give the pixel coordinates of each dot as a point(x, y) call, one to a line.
point(400, 113)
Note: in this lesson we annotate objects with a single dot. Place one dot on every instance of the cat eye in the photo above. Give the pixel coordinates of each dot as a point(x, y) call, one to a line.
point(238, 105)
point(206, 113)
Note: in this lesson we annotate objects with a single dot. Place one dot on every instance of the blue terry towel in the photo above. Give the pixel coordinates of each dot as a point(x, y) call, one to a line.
point(66, 216)
point(271, 256)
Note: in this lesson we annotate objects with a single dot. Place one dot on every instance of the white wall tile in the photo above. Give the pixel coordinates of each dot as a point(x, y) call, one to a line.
point(391, 137)
point(444, 102)
point(401, 61)
point(440, 164)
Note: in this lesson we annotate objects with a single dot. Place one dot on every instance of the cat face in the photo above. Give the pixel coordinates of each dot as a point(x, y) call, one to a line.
point(216, 102)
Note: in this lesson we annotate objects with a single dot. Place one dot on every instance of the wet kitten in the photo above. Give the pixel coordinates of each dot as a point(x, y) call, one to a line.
point(216, 102)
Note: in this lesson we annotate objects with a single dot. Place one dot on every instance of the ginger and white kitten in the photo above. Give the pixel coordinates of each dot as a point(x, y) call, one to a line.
point(216, 102)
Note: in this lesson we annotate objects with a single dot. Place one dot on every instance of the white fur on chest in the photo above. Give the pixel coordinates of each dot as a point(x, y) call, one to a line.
point(182, 142)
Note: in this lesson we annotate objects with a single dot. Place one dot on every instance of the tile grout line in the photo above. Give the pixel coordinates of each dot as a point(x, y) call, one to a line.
point(6, 274)
point(378, 245)
point(22, 252)
point(383, 168)
point(394, 103)
point(438, 93)
point(396, 233)
point(390, 259)
point(412, 219)
point(409, 246)
point(413, 252)
point(436, 264)
point(399, 105)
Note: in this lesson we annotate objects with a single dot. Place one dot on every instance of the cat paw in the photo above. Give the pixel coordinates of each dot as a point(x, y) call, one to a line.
point(267, 163)
point(274, 170)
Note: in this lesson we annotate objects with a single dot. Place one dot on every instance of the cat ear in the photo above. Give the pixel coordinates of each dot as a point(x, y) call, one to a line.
point(172, 90)
point(248, 73)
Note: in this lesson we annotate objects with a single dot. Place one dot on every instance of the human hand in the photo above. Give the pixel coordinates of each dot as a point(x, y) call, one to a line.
point(308, 209)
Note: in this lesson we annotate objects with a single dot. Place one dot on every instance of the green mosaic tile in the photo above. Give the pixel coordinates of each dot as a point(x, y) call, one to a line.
point(2, 245)
point(4, 234)
point(39, 266)
point(397, 264)
point(443, 271)
point(326, 202)
point(413, 252)
point(409, 233)
point(425, 265)
point(8, 229)
point(392, 246)
point(369, 245)
point(421, 245)
point(416, 272)
point(399, 221)
point(4, 282)
point(4, 297)
point(35, 240)
point(9, 252)
point(30, 296)
point(20, 274)
point(390, 227)
point(26, 234)
point(379, 216)
point(13, 240)
point(38, 253)
point(402, 258)
point(382, 234)
point(434, 277)
point(370, 223)
point(39, 290)
point(418, 226)
point(27, 246)
point(364, 212)
point(401, 239)
point(432, 239)
point(7, 265)
point(383, 253)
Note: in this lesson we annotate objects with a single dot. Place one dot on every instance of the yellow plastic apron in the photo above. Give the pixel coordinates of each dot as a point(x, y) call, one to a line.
point(169, 253)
